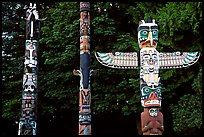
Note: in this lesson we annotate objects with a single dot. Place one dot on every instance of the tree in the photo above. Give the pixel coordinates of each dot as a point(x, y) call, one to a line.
point(12, 61)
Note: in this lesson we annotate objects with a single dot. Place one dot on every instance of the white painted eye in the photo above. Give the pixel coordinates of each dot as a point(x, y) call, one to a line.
point(178, 53)
point(117, 53)
point(144, 32)
point(154, 32)
point(146, 89)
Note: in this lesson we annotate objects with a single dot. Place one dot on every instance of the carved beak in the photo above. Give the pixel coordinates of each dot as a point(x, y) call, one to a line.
point(150, 38)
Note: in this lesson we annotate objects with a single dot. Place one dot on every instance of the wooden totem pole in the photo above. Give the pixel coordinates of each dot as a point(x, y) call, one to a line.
point(28, 120)
point(27, 124)
point(150, 62)
point(84, 72)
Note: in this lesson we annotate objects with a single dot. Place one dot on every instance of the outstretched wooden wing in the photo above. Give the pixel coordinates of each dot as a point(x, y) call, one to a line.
point(120, 60)
point(177, 59)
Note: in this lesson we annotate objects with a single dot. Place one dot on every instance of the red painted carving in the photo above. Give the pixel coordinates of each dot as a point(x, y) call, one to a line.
point(152, 125)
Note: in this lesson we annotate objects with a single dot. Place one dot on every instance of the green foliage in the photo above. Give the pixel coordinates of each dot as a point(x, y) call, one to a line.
point(197, 82)
point(187, 114)
point(60, 37)
point(9, 109)
point(180, 21)
point(12, 60)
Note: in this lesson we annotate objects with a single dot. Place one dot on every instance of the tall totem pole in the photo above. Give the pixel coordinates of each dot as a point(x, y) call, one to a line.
point(84, 72)
point(150, 62)
point(27, 124)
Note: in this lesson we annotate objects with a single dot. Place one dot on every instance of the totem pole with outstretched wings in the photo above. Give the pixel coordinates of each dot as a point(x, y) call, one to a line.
point(149, 62)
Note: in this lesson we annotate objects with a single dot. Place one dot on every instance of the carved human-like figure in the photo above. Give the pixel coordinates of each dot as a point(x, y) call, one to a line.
point(152, 121)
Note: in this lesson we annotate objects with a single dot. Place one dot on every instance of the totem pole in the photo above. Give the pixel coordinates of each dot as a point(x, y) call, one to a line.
point(27, 124)
point(84, 72)
point(150, 62)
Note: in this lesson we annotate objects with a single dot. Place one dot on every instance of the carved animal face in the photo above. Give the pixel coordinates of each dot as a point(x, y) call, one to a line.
point(147, 34)
point(150, 95)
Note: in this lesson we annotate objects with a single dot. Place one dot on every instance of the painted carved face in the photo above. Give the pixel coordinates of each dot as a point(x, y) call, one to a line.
point(31, 44)
point(150, 95)
point(29, 88)
point(31, 53)
point(153, 112)
point(147, 34)
point(84, 44)
point(31, 47)
point(149, 57)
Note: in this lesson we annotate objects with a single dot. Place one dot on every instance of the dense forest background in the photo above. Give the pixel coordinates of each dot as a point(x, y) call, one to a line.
point(116, 106)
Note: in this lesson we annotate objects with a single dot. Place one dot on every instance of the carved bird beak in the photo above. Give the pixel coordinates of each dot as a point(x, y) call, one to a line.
point(150, 38)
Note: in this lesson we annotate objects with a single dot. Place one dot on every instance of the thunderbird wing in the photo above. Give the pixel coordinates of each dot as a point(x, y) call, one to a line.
point(177, 59)
point(119, 60)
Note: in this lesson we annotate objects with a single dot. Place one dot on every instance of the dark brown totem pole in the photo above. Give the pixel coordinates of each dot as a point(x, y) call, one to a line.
point(28, 124)
point(84, 72)
point(150, 62)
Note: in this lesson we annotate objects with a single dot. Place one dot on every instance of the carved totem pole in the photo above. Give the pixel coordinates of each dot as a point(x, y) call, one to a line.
point(150, 62)
point(84, 72)
point(27, 124)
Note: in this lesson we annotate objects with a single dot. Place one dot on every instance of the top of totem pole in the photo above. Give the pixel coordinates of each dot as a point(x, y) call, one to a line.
point(84, 6)
point(32, 13)
point(147, 33)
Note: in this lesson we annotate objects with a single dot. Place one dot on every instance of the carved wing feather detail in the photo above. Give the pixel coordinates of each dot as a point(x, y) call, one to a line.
point(119, 60)
point(177, 59)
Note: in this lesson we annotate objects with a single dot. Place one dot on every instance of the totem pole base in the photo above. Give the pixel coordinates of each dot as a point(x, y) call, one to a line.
point(152, 124)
